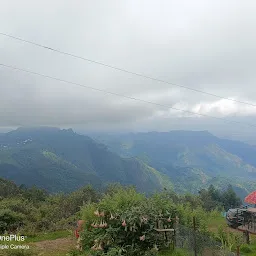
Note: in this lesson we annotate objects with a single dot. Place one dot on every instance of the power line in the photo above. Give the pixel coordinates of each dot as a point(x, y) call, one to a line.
point(123, 96)
point(124, 70)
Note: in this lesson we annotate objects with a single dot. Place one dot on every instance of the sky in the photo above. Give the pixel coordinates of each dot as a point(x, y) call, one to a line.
point(207, 45)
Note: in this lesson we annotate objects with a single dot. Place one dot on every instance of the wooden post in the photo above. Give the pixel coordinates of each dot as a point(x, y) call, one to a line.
point(194, 227)
point(176, 230)
point(247, 236)
point(165, 233)
point(254, 223)
point(238, 250)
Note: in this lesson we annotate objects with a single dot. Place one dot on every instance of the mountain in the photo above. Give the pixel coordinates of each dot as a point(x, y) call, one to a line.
point(192, 160)
point(61, 160)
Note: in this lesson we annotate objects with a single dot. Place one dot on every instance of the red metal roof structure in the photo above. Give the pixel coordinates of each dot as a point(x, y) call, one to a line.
point(251, 198)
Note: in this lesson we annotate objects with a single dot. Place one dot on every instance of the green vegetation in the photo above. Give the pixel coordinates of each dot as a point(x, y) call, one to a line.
point(125, 221)
point(31, 210)
point(213, 198)
point(191, 160)
point(49, 236)
point(171, 174)
point(63, 161)
point(130, 217)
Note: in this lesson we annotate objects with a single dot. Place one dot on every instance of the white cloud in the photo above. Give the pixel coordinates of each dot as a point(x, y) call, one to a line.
point(207, 45)
point(224, 108)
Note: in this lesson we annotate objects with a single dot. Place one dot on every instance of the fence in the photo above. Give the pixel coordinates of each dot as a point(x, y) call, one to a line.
point(199, 244)
point(192, 241)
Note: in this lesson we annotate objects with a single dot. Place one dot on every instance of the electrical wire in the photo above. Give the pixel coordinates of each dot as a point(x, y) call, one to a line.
point(123, 96)
point(124, 70)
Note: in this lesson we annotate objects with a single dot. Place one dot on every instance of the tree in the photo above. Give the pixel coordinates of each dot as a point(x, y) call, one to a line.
point(208, 202)
point(214, 193)
point(230, 199)
point(9, 220)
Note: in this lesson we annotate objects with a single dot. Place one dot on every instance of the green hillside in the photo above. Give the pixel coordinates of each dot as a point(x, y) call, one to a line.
point(192, 160)
point(61, 160)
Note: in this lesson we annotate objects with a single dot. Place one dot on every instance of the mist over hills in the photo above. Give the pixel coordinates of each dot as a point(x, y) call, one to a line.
point(191, 159)
point(61, 160)
point(186, 161)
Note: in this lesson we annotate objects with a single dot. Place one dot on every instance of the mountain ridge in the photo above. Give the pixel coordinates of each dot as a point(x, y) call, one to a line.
point(190, 156)
point(61, 160)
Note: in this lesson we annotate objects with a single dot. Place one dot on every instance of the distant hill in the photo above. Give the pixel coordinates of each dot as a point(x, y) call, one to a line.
point(192, 160)
point(61, 160)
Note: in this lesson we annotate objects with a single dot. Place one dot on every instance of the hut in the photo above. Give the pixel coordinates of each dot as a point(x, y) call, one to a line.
point(249, 216)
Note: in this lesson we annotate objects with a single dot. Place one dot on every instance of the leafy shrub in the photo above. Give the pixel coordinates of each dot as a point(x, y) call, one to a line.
point(245, 248)
point(228, 240)
point(9, 220)
point(130, 226)
point(124, 222)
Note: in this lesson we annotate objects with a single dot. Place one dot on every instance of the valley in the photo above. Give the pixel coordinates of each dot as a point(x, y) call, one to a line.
point(62, 160)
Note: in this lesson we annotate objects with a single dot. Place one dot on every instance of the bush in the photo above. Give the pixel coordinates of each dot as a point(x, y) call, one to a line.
point(124, 222)
point(245, 248)
point(130, 220)
point(229, 240)
point(9, 220)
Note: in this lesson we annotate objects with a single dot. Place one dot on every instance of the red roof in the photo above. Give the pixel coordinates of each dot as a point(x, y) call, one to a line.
point(251, 198)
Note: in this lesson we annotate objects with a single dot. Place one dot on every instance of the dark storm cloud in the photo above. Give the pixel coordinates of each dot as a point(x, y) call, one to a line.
point(207, 45)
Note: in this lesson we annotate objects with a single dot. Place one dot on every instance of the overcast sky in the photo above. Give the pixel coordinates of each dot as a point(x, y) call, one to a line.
point(208, 45)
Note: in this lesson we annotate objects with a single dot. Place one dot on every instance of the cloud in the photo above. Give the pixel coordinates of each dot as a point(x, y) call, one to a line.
point(206, 45)
point(224, 108)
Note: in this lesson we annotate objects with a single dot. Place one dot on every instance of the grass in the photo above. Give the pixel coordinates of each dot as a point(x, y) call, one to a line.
point(177, 252)
point(49, 236)
point(43, 237)
point(43, 244)
point(216, 222)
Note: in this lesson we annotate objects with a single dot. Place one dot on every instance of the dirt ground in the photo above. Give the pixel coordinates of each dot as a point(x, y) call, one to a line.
point(56, 247)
